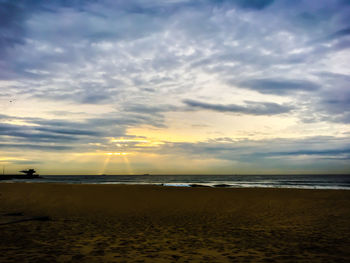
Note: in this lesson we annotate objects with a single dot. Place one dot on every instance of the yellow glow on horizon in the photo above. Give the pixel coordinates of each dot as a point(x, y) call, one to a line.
point(140, 142)
point(117, 154)
point(9, 159)
point(102, 153)
point(150, 144)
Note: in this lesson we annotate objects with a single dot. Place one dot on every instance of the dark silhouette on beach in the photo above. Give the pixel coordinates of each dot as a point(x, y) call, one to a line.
point(26, 174)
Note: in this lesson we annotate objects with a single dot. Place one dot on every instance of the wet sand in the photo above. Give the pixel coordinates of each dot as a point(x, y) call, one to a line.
point(119, 223)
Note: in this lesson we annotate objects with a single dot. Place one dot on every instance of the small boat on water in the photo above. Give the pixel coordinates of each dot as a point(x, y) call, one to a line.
point(26, 174)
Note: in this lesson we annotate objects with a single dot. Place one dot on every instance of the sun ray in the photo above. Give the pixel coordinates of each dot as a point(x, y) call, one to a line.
point(128, 165)
point(105, 164)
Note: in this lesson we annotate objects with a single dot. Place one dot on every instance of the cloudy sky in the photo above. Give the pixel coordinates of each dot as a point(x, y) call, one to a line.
point(175, 86)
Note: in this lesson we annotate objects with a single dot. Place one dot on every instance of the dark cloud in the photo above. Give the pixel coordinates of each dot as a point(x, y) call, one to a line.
point(67, 131)
point(278, 86)
point(11, 28)
point(149, 109)
point(252, 108)
point(340, 33)
point(332, 152)
point(77, 134)
point(38, 130)
point(13, 17)
point(126, 120)
point(29, 133)
point(254, 4)
point(27, 146)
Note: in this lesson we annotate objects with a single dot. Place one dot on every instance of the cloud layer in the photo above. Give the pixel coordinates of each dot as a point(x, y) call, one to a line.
point(76, 74)
point(252, 108)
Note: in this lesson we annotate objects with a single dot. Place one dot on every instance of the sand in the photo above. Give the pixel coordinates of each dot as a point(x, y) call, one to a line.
point(120, 223)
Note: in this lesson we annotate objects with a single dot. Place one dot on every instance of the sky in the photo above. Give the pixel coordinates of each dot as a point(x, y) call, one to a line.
point(175, 86)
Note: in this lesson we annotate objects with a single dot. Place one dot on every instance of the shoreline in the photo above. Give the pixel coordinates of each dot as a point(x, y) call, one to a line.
point(181, 185)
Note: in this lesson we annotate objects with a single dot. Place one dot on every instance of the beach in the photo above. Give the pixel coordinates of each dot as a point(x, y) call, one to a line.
point(45, 222)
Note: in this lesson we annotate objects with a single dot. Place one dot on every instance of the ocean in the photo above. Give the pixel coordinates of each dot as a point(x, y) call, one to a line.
point(235, 181)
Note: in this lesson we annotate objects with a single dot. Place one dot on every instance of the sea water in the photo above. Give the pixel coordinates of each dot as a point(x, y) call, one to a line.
point(251, 181)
